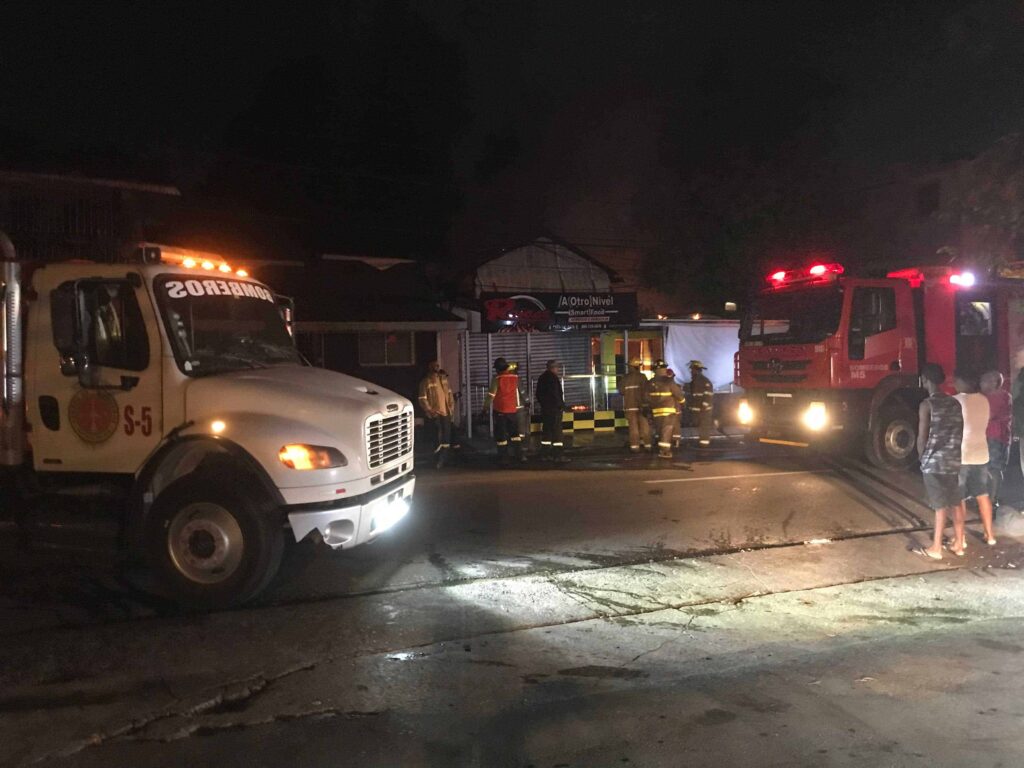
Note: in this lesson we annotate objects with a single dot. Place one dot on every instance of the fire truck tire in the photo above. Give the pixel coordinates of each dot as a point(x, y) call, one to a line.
point(211, 543)
point(891, 441)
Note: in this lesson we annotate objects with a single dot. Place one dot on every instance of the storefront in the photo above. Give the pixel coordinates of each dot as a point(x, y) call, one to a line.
point(549, 300)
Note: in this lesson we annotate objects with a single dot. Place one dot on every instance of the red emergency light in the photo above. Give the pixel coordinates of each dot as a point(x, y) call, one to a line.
point(913, 276)
point(812, 273)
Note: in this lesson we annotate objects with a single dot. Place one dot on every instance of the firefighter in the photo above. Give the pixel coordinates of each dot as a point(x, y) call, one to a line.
point(633, 387)
point(701, 392)
point(503, 397)
point(677, 431)
point(438, 405)
point(551, 397)
point(666, 398)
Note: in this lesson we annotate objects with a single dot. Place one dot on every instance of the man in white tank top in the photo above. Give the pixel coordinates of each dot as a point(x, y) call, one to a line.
point(974, 481)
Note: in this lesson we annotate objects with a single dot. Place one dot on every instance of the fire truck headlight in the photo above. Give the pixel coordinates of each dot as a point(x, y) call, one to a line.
point(745, 413)
point(816, 417)
point(297, 456)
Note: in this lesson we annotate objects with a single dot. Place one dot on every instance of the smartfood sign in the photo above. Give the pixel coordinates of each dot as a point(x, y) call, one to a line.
point(510, 313)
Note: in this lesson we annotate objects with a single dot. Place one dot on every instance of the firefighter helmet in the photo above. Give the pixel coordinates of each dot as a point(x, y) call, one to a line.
point(636, 362)
point(698, 364)
point(660, 365)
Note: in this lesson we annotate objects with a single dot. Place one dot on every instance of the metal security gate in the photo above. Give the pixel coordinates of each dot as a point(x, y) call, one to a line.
point(532, 351)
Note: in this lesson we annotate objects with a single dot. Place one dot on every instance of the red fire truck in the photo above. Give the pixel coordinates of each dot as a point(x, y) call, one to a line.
point(828, 358)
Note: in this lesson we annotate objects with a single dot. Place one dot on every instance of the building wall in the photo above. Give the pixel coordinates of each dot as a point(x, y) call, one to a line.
point(340, 352)
point(50, 218)
point(969, 211)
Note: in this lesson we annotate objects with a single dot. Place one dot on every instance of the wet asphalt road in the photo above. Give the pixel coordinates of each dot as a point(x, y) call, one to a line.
point(475, 522)
point(610, 612)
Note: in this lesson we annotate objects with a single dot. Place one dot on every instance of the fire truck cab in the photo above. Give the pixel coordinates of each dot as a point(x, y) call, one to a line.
point(826, 357)
point(164, 393)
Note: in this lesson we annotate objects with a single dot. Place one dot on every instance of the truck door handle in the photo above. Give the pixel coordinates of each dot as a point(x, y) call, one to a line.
point(894, 365)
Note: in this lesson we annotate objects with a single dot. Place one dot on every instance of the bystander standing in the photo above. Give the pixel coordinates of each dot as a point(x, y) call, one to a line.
point(999, 432)
point(939, 438)
point(974, 459)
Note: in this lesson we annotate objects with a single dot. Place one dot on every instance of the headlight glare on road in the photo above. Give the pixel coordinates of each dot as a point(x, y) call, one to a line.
point(299, 456)
point(816, 417)
point(745, 413)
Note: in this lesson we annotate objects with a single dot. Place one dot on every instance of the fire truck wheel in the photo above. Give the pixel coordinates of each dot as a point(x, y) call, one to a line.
point(892, 441)
point(210, 543)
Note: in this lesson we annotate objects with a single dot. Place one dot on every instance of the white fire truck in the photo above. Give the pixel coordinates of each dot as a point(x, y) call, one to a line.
point(167, 390)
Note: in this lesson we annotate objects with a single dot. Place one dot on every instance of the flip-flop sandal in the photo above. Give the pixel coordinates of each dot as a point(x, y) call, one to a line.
point(925, 553)
point(991, 542)
point(953, 551)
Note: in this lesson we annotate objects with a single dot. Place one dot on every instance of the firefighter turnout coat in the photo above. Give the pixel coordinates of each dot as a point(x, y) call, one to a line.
point(664, 395)
point(701, 391)
point(436, 395)
point(634, 386)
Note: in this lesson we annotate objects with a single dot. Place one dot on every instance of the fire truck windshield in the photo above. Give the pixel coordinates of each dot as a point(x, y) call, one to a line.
point(217, 326)
point(804, 316)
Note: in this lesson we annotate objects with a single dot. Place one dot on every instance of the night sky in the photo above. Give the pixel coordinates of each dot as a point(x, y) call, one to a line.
point(443, 127)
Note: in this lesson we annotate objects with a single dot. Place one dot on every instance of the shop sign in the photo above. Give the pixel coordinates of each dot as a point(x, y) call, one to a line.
point(512, 313)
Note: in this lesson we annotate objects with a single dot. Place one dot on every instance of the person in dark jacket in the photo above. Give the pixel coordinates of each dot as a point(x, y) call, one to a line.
point(551, 398)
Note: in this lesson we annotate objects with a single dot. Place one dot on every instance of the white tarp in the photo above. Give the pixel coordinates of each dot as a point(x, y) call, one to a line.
point(713, 342)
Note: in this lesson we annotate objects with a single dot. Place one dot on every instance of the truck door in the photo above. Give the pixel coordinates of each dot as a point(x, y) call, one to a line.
point(98, 386)
point(875, 343)
point(975, 332)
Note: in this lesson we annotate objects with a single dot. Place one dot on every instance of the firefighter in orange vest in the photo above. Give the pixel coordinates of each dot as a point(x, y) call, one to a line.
point(503, 397)
point(666, 398)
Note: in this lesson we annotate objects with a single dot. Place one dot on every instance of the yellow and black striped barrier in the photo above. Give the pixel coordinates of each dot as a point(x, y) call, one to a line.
point(581, 421)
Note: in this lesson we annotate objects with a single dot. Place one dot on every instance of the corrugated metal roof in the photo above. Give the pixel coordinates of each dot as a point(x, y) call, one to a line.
point(543, 266)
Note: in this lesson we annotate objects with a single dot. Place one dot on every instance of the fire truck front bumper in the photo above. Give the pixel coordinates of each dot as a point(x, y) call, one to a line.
point(358, 520)
point(795, 418)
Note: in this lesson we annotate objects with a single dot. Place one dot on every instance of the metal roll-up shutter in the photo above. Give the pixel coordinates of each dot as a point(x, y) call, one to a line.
point(573, 349)
point(511, 346)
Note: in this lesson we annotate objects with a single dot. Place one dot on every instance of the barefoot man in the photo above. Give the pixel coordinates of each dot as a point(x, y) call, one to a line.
point(939, 437)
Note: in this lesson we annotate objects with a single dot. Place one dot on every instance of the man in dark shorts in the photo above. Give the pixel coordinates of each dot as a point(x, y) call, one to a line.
point(939, 437)
point(974, 458)
point(1000, 430)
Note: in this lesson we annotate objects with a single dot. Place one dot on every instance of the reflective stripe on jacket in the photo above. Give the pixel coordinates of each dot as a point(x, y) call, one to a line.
point(504, 392)
point(436, 395)
point(701, 392)
point(633, 387)
point(664, 396)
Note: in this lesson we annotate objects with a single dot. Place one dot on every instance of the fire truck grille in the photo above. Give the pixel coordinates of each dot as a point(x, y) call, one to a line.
point(777, 371)
point(388, 438)
point(780, 379)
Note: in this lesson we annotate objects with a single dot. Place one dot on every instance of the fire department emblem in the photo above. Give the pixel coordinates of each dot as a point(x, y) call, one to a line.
point(775, 366)
point(93, 415)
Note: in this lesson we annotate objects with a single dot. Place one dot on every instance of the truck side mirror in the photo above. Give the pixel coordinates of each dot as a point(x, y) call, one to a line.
point(63, 318)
